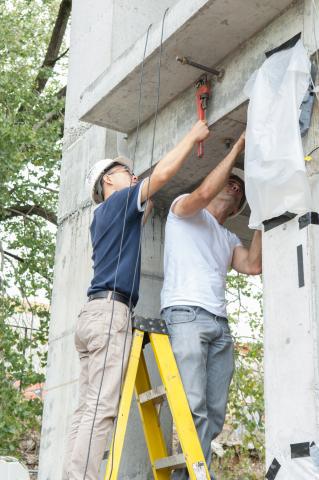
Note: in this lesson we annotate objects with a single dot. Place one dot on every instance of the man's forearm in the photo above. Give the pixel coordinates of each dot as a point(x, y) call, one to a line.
point(218, 177)
point(167, 167)
point(173, 160)
point(254, 253)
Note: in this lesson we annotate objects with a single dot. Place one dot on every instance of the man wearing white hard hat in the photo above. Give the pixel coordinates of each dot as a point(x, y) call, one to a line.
point(103, 331)
point(198, 252)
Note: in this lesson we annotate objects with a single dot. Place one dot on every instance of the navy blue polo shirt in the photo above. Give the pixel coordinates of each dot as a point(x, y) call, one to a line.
point(106, 232)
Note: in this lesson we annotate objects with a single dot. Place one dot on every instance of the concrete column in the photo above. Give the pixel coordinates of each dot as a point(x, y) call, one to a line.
point(291, 301)
point(291, 276)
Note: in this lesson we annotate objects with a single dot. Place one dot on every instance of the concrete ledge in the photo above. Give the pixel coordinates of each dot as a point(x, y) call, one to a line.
point(206, 31)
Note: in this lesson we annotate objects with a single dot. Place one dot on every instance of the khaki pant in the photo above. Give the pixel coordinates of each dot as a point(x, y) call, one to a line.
point(93, 337)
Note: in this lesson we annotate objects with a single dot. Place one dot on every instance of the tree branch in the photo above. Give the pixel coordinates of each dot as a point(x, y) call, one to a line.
point(49, 117)
point(16, 257)
point(52, 54)
point(12, 255)
point(62, 92)
point(27, 210)
point(62, 55)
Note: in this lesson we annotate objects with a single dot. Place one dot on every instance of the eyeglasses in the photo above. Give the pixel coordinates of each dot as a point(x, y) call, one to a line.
point(124, 169)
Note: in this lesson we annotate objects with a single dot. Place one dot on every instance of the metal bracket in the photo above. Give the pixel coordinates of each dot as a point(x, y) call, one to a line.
point(150, 325)
point(187, 61)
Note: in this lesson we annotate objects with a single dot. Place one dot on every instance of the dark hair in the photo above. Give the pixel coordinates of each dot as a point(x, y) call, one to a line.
point(115, 164)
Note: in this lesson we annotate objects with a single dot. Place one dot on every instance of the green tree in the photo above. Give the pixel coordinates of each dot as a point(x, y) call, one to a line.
point(33, 62)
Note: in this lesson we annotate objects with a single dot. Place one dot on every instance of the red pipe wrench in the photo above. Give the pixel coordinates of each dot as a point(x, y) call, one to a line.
point(203, 91)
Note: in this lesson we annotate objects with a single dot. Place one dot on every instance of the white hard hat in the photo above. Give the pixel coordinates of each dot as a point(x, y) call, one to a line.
point(93, 177)
point(237, 172)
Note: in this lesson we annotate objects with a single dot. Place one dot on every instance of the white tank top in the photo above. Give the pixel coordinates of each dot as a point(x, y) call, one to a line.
point(198, 252)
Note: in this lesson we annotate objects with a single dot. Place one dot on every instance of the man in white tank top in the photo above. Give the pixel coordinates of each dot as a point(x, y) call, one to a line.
point(199, 250)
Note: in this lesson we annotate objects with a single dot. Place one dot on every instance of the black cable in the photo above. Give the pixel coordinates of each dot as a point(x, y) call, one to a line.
point(312, 151)
point(142, 227)
point(117, 267)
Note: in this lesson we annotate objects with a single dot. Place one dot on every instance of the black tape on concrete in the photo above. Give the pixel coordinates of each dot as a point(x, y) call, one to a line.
point(273, 470)
point(309, 218)
point(284, 46)
point(300, 450)
point(301, 275)
point(276, 221)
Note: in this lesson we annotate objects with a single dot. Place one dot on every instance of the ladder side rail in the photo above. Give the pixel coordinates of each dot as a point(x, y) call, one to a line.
point(179, 407)
point(113, 463)
point(151, 423)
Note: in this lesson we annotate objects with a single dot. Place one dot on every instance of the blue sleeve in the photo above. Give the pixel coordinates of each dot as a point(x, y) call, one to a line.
point(134, 207)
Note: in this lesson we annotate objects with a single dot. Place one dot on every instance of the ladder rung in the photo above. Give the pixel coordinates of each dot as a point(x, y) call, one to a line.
point(175, 461)
point(157, 394)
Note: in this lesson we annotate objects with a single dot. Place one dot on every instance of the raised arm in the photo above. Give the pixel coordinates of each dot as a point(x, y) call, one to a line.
point(211, 185)
point(173, 161)
point(249, 260)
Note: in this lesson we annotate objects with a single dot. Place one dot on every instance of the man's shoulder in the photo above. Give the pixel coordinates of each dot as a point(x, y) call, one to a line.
point(233, 238)
point(172, 214)
point(127, 193)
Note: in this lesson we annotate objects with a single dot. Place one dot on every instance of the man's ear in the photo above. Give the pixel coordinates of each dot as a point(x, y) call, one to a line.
point(107, 179)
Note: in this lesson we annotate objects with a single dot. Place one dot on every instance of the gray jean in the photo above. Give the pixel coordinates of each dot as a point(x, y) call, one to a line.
point(203, 349)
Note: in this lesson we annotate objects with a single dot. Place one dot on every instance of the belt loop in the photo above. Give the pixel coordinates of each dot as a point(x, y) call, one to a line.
point(109, 296)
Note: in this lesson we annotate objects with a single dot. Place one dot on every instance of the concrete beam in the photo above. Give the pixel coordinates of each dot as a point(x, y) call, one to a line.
point(175, 119)
point(206, 31)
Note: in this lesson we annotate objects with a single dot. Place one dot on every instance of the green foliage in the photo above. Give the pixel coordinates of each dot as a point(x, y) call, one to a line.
point(17, 416)
point(246, 403)
point(30, 151)
point(18, 347)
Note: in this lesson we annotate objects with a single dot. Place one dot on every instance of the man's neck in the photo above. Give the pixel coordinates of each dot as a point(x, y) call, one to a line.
point(219, 209)
point(108, 192)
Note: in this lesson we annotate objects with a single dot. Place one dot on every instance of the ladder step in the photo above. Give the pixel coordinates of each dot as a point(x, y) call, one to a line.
point(157, 394)
point(175, 461)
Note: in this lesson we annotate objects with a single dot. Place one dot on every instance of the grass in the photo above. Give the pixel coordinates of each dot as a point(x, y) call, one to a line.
point(238, 466)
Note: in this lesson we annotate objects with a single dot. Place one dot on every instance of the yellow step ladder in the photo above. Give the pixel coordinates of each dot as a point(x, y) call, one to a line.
point(155, 331)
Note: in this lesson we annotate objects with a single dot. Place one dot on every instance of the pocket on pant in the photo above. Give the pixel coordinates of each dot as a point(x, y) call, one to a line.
point(99, 321)
point(177, 315)
point(97, 341)
point(226, 330)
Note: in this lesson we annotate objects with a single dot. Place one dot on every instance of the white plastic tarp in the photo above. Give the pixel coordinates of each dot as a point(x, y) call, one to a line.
point(276, 180)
